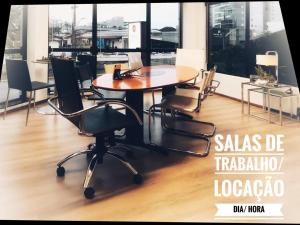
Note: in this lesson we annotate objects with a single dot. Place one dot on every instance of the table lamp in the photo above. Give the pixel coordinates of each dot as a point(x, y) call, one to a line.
point(269, 59)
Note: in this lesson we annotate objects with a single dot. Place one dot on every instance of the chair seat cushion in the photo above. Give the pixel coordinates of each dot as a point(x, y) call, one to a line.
point(180, 103)
point(102, 120)
point(36, 85)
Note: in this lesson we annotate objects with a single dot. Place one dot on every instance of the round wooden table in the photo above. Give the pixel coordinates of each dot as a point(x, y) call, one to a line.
point(151, 77)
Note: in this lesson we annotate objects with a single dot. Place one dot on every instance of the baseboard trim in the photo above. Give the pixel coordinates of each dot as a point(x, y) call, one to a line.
point(256, 105)
point(22, 106)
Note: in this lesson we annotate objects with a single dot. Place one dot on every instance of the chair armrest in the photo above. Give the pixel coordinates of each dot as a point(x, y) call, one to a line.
point(102, 103)
point(122, 103)
point(216, 85)
point(68, 115)
point(212, 88)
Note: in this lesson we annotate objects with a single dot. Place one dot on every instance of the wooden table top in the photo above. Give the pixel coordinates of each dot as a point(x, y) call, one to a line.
point(151, 77)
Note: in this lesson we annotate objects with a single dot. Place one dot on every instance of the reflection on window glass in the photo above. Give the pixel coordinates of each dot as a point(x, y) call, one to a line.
point(265, 18)
point(158, 58)
point(113, 21)
point(227, 36)
point(164, 25)
point(14, 30)
point(70, 26)
point(267, 33)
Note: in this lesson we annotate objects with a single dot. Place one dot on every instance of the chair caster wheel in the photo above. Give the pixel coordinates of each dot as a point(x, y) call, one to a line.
point(60, 171)
point(137, 179)
point(89, 193)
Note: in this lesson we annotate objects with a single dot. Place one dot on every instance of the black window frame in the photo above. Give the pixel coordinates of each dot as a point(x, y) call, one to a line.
point(146, 51)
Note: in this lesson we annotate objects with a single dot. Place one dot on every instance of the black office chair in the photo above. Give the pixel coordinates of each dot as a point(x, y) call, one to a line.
point(91, 60)
point(18, 77)
point(100, 120)
point(85, 75)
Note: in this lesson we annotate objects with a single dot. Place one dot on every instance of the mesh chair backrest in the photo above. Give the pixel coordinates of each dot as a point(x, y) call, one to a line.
point(18, 76)
point(92, 60)
point(203, 83)
point(135, 60)
point(212, 74)
point(84, 72)
point(69, 97)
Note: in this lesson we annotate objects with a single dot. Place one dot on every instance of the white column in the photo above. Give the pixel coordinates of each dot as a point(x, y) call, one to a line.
point(37, 44)
point(194, 27)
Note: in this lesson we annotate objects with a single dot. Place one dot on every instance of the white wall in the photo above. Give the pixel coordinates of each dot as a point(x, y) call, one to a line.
point(194, 23)
point(231, 86)
point(37, 45)
point(195, 37)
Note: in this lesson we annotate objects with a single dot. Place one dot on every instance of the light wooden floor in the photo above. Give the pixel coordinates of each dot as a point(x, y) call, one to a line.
point(176, 188)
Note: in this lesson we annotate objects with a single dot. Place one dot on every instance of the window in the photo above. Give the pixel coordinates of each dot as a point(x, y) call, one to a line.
point(233, 45)
point(70, 26)
point(13, 50)
point(14, 39)
point(114, 24)
point(165, 33)
point(227, 37)
point(113, 21)
point(267, 33)
point(14, 30)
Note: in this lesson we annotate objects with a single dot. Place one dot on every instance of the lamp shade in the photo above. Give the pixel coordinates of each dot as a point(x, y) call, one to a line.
point(267, 60)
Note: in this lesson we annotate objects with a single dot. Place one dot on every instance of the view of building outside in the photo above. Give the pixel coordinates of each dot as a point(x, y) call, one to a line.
point(228, 22)
point(112, 23)
point(227, 37)
point(265, 17)
point(233, 52)
point(112, 29)
point(14, 29)
point(267, 33)
point(70, 26)
point(164, 33)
